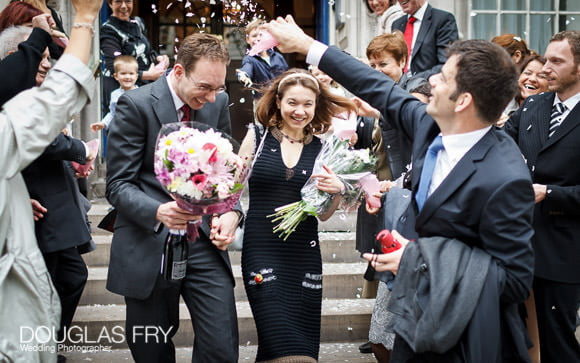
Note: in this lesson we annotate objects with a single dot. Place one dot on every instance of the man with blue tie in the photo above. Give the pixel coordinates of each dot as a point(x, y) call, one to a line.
point(547, 129)
point(479, 200)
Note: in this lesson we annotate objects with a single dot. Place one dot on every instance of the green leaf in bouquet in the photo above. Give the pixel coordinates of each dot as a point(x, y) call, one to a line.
point(238, 187)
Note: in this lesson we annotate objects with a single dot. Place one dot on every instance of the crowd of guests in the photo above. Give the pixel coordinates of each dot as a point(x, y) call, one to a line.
point(488, 256)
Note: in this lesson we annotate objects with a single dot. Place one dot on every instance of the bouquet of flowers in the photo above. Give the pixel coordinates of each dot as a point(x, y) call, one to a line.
point(348, 164)
point(198, 167)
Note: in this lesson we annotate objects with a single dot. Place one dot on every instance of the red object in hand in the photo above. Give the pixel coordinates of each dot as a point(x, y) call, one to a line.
point(388, 242)
point(258, 278)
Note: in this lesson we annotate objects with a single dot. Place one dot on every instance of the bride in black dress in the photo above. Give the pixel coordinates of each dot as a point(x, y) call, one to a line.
point(283, 279)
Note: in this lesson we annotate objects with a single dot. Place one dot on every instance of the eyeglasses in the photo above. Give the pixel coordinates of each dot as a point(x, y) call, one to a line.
point(206, 88)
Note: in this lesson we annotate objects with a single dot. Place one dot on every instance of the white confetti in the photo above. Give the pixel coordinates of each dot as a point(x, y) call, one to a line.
point(242, 100)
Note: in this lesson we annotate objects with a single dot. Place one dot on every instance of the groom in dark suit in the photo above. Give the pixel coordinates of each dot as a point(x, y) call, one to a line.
point(550, 142)
point(478, 192)
point(193, 90)
point(428, 32)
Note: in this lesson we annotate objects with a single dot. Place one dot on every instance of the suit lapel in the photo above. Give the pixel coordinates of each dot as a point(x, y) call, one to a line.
point(569, 124)
point(401, 25)
point(163, 102)
point(457, 177)
point(541, 121)
point(425, 25)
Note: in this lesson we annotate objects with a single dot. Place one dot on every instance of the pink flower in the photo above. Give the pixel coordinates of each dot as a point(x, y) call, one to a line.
point(199, 180)
point(209, 146)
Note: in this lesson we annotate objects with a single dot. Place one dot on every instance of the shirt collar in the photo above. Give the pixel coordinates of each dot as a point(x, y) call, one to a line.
point(419, 14)
point(570, 102)
point(458, 145)
point(177, 102)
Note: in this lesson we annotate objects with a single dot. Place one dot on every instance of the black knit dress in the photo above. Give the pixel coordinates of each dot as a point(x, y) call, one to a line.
point(287, 304)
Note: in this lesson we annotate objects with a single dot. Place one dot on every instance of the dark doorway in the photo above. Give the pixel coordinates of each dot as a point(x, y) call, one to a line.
point(169, 21)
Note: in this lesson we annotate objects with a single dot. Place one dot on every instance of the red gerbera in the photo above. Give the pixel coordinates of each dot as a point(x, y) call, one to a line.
point(213, 156)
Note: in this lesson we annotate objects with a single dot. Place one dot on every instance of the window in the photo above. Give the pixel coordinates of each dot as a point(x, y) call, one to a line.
point(534, 20)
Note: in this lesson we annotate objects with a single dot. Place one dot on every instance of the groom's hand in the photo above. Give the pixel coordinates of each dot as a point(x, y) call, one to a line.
point(289, 35)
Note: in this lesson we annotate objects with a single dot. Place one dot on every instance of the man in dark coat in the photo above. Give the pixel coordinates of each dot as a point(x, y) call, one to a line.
point(550, 143)
point(146, 212)
point(469, 180)
point(433, 30)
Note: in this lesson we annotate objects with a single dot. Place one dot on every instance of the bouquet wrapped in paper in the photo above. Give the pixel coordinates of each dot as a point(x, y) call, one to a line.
point(197, 165)
point(348, 164)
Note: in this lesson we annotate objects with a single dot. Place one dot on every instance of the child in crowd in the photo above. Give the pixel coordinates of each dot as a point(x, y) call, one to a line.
point(260, 69)
point(126, 73)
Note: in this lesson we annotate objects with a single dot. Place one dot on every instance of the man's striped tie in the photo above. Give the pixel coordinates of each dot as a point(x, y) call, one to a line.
point(556, 117)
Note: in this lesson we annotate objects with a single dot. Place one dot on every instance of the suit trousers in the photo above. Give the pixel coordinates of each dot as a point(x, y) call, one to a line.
point(556, 307)
point(208, 292)
point(69, 274)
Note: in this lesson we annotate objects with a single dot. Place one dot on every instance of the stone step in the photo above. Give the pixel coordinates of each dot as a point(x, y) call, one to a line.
point(329, 353)
point(343, 320)
point(339, 222)
point(335, 247)
point(340, 280)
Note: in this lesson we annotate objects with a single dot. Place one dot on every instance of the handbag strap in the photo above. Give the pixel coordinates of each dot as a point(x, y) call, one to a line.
point(258, 150)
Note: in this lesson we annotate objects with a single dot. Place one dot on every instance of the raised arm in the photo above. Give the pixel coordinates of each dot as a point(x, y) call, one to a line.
point(34, 118)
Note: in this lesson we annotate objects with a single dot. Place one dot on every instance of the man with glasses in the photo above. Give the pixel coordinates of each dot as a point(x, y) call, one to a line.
point(193, 90)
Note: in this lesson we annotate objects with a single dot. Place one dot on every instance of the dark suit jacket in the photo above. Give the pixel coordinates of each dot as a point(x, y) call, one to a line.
point(438, 30)
point(552, 162)
point(487, 199)
point(50, 181)
point(133, 189)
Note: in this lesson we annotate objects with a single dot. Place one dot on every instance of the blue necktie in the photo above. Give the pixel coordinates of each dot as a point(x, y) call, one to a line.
point(427, 172)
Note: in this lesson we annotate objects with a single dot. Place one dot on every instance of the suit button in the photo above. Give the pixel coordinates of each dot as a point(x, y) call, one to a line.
point(423, 267)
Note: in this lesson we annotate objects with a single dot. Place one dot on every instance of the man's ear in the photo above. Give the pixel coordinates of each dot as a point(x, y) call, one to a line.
point(518, 56)
point(178, 70)
point(463, 101)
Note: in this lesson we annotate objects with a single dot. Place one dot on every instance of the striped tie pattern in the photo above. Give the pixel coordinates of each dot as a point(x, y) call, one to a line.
point(556, 117)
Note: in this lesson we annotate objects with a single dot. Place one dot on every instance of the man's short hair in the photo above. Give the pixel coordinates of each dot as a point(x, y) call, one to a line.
point(11, 37)
point(486, 71)
point(125, 60)
point(573, 38)
point(200, 45)
point(253, 25)
point(391, 43)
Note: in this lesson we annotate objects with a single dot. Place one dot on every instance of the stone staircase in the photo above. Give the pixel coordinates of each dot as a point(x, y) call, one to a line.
point(345, 316)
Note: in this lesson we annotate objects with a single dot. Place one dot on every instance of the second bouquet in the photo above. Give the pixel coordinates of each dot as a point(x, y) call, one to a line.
point(348, 164)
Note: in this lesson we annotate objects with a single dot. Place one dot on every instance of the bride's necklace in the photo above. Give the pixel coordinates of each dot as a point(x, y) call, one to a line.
point(291, 139)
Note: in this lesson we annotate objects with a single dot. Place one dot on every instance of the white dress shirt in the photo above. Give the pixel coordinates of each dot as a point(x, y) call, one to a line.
point(570, 103)
point(419, 15)
point(456, 146)
point(177, 102)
